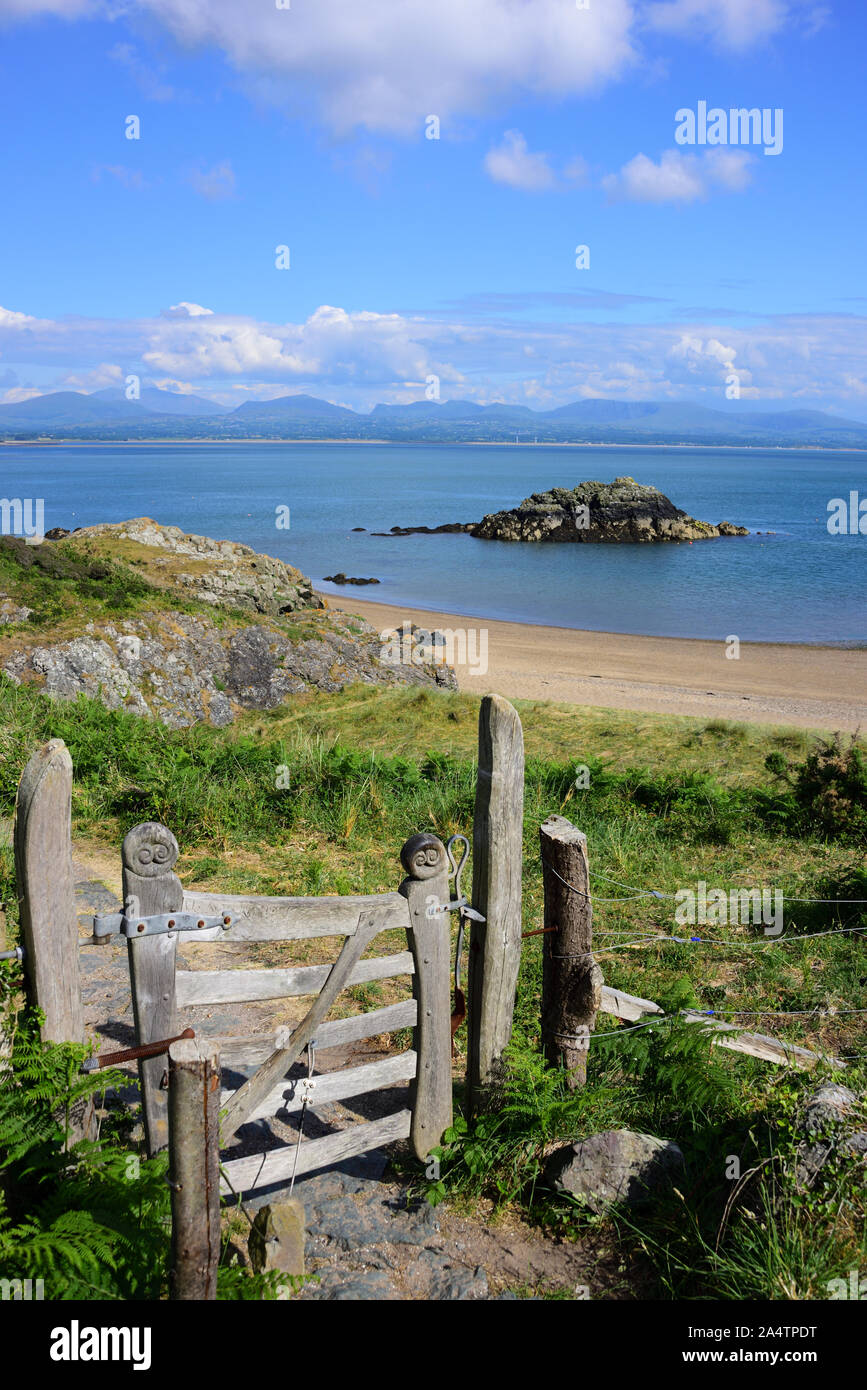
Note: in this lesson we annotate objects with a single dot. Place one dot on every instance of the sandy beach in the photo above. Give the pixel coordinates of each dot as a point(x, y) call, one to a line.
point(769, 683)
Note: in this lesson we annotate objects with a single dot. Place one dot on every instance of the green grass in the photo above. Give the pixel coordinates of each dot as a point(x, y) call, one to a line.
point(670, 801)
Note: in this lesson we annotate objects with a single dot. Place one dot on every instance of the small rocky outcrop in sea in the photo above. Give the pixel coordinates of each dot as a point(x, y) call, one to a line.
point(622, 511)
point(341, 578)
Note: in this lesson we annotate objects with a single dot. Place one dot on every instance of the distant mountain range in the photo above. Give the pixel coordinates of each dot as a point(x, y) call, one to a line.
point(159, 414)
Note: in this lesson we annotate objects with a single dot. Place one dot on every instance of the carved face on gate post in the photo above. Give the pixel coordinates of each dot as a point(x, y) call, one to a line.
point(423, 856)
point(150, 850)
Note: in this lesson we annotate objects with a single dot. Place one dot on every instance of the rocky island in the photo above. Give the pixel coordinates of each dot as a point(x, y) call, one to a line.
point(622, 511)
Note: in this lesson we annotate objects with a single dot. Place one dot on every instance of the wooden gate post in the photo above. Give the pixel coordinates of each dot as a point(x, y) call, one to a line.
point(571, 979)
point(46, 891)
point(495, 946)
point(194, 1168)
point(150, 888)
point(427, 888)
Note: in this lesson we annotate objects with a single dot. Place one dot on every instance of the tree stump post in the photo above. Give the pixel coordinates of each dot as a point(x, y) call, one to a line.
point(194, 1167)
point(571, 979)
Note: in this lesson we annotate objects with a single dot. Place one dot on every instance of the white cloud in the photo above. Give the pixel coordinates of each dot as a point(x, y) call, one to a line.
point(387, 66)
point(214, 184)
point(674, 179)
point(513, 164)
point(679, 177)
point(732, 170)
point(10, 318)
point(332, 345)
point(185, 310)
point(364, 357)
point(64, 9)
point(703, 362)
point(21, 393)
point(146, 77)
point(178, 388)
point(127, 178)
point(577, 171)
point(731, 24)
point(105, 374)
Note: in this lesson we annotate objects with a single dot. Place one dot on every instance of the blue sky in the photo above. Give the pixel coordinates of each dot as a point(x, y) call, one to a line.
point(451, 258)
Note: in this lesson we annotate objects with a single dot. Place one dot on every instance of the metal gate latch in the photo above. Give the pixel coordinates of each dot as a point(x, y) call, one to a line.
point(108, 924)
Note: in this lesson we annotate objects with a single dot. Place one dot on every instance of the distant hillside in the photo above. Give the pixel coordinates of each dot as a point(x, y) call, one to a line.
point(292, 408)
point(74, 408)
point(107, 414)
point(165, 402)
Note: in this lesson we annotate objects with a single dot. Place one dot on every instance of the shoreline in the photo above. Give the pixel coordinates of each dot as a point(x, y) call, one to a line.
point(458, 443)
point(770, 683)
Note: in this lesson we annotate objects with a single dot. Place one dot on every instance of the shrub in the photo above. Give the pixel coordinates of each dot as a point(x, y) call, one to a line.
point(829, 788)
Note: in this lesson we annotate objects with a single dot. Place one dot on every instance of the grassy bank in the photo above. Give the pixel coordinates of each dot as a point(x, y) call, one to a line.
point(668, 802)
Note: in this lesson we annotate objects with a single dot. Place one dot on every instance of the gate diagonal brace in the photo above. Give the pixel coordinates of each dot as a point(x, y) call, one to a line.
point(109, 924)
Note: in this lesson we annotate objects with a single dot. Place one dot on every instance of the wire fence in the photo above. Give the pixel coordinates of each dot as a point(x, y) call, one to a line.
point(637, 893)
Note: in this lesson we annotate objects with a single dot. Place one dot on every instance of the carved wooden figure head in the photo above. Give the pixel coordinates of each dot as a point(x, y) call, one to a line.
point(150, 850)
point(423, 856)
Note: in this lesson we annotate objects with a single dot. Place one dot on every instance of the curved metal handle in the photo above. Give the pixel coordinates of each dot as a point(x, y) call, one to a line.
point(457, 869)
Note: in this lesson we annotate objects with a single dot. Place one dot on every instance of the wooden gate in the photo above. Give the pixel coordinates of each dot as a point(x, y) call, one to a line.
point(161, 993)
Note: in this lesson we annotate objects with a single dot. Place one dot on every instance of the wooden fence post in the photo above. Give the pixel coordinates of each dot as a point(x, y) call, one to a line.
point(571, 979)
point(426, 887)
point(150, 888)
point(194, 1167)
point(46, 891)
point(495, 946)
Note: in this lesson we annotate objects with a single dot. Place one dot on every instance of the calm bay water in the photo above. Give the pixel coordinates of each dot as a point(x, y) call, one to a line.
point(800, 585)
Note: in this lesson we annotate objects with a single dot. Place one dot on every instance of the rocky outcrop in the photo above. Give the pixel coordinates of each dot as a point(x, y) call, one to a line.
point(615, 1166)
point(184, 669)
point(201, 661)
point(622, 511)
point(341, 578)
point(829, 1124)
point(217, 572)
point(450, 526)
point(11, 612)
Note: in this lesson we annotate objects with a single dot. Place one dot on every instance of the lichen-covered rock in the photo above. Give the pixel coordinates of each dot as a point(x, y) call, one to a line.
point(615, 1166)
point(183, 668)
point(222, 572)
point(276, 1240)
point(620, 511)
point(12, 612)
point(828, 1121)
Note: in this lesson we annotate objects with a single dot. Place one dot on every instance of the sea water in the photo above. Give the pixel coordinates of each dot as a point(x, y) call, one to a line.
point(794, 582)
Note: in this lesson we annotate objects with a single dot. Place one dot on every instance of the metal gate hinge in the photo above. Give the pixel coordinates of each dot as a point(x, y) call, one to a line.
point(108, 924)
